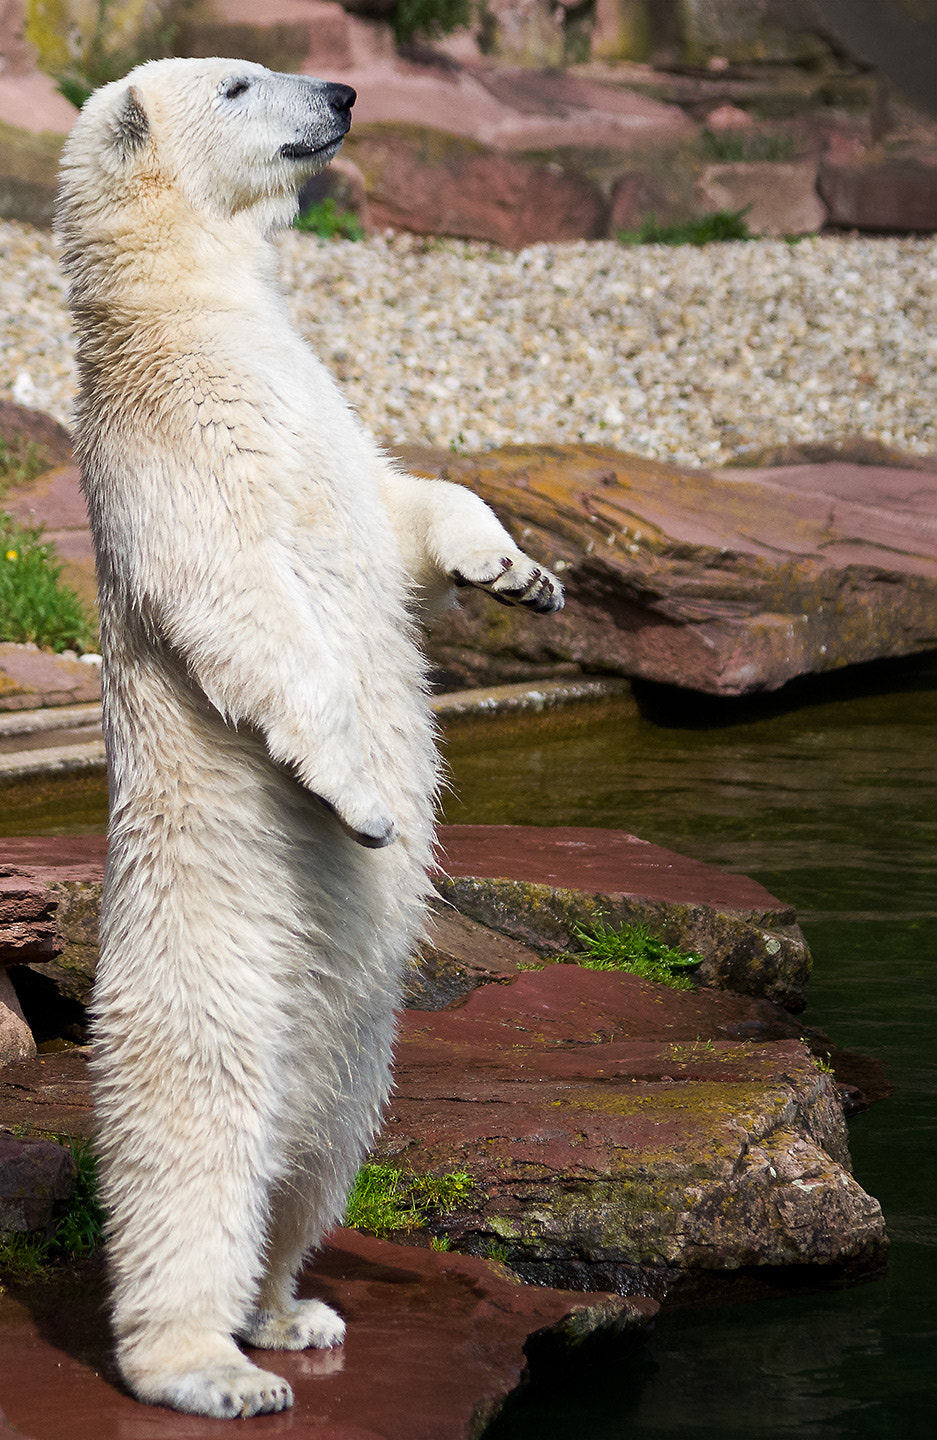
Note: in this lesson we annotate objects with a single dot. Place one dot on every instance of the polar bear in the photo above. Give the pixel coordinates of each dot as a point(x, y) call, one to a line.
point(272, 766)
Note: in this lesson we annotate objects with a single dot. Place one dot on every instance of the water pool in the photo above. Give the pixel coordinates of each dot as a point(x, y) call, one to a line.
point(830, 800)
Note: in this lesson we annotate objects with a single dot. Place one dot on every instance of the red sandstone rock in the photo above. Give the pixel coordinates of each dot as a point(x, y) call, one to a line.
point(18, 422)
point(882, 190)
point(436, 184)
point(30, 678)
point(283, 34)
point(50, 898)
point(555, 108)
point(32, 102)
point(54, 501)
point(779, 198)
point(457, 956)
point(16, 1039)
point(35, 1178)
point(539, 885)
point(593, 860)
point(50, 1094)
point(672, 1166)
point(513, 108)
point(533, 884)
point(727, 118)
point(727, 582)
point(434, 1344)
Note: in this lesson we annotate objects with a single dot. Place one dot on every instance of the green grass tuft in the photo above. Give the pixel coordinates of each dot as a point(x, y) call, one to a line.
point(35, 604)
point(76, 1234)
point(328, 222)
point(383, 1199)
point(634, 949)
point(721, 225)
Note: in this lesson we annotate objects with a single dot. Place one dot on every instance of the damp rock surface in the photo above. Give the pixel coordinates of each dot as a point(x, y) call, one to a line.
point(612, 1147)
point(434, 1344)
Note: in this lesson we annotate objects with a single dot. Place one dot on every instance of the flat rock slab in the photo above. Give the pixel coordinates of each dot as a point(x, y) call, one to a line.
point(36, 1178)
point(613, 861)
point(48, 1095)
point(537, 885)
point(512, 108)
point(434, 1344)
point(532, 885)
point(30, 678)
point(882, 190)
point(606, 1155)
point(50, 904)
point(724, 582)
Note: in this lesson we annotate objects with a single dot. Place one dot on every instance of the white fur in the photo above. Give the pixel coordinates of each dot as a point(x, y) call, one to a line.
point(271, 756)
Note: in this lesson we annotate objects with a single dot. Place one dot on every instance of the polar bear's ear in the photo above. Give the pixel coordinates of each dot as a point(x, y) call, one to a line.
point(133, 128)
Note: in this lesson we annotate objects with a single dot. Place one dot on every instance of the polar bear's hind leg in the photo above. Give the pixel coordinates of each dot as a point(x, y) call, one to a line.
point(204, 1376)
point(299, 1326)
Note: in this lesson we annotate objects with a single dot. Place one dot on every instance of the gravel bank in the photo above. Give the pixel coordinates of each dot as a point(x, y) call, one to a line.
point(678, 354)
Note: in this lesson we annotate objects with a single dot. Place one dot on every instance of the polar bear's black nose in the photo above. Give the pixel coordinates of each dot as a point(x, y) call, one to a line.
point(340, 97)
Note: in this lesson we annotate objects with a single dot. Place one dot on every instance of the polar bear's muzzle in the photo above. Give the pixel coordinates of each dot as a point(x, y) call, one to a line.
point(338, 100)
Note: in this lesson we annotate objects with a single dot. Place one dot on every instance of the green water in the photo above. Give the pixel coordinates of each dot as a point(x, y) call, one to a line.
point(832, 804)
point(828, 798)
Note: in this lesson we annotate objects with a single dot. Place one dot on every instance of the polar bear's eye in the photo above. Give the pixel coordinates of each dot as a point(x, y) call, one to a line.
point(234, 88)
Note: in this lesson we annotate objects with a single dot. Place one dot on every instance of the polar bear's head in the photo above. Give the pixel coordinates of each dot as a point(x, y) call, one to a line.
point(226, 136)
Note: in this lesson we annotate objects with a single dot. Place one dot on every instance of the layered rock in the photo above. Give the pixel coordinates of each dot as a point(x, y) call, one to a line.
point(726, 583)
point(16, 1037)
point(531, 885)
point(539, 885)
point(606, 144)
point(667, 1164)
point(778, 197)
point(435, 183)
point(36, 1178)
point(620, 1134)
point(723, 582)
point(890, 189)
point(50, 900)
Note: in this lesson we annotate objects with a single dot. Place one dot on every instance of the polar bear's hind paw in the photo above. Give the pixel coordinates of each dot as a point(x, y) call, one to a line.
point(514, 582)
point(307, 1323)
point(222, 1392)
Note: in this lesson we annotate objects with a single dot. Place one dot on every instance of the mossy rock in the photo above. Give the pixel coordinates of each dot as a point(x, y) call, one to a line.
point(752, 952)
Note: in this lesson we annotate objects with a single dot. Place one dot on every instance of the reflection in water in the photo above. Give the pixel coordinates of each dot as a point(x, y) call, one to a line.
point(58, 805)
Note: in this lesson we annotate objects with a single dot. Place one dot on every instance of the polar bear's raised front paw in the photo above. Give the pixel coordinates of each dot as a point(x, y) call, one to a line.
point(223, 1392)
point(513, 580)
point(307, 1323)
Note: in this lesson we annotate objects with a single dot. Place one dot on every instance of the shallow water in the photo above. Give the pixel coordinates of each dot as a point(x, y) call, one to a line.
point(829, 798)
point(832, 804)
